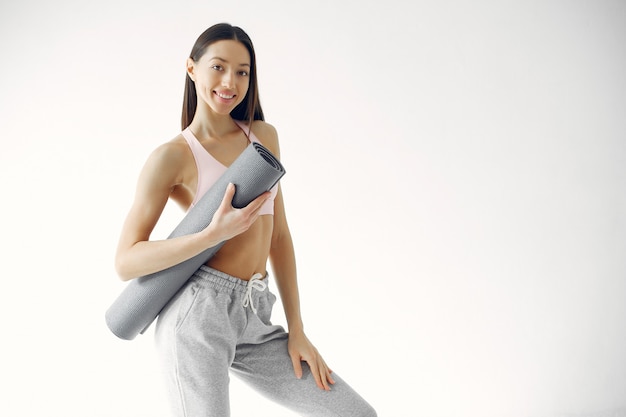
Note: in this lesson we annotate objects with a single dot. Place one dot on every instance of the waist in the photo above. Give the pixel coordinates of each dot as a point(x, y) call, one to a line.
point(247, 253)
point(219, 280)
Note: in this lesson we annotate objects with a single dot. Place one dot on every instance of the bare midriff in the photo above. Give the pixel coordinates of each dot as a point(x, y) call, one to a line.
point(246, 254)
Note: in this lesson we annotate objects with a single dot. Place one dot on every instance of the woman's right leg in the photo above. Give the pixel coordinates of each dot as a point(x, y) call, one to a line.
point(196, 344)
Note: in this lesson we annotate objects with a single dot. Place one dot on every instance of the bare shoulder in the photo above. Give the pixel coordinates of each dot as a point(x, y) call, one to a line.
point(168, 160)
point(267, 135)
point(172, 151)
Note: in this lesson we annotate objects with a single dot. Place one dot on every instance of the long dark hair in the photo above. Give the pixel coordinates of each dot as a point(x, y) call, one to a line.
point(250, 108)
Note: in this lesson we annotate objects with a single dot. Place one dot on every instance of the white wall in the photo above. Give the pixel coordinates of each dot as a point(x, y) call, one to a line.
point(455, 188)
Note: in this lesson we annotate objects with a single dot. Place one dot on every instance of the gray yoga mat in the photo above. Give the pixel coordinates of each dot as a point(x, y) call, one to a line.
point(255, 171)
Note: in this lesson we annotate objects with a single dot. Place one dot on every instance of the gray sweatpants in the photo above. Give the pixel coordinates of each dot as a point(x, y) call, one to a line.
point(218, 323)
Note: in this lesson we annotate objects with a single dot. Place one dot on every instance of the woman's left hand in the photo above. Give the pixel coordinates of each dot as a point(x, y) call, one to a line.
point(301, 349)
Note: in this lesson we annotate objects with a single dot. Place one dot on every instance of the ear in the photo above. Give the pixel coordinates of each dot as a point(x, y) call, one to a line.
point(190, 68)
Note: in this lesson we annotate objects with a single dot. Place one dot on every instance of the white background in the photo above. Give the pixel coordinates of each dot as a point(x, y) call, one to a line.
point(455, 188)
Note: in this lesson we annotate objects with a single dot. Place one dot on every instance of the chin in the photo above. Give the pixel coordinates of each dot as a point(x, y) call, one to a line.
point(222, 110)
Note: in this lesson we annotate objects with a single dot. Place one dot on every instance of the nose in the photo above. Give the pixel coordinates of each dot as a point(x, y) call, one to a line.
point(228, 79)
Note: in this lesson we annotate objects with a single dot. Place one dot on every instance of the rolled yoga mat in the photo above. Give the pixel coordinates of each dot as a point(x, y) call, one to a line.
point(255, 171)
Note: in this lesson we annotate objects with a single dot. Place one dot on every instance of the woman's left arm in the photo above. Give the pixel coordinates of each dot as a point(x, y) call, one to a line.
point(282, 259)
point(283, 262)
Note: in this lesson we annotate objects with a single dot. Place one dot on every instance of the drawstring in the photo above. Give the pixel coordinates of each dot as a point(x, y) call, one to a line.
point(254, 283)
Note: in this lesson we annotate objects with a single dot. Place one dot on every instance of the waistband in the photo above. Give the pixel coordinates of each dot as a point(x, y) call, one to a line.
point(221, 280)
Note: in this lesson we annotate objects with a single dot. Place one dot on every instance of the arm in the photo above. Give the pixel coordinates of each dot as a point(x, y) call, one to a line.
point(282, 258)
point(137, 255)
point(283, 261)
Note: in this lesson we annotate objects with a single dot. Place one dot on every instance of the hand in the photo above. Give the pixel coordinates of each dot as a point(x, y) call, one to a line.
point(228, 221)
point(301, 349)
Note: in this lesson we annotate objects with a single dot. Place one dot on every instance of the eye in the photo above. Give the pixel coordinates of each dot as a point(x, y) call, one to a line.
point(217, 67)
point(243, 73)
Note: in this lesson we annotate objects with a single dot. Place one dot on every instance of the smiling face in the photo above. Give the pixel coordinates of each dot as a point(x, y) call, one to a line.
point(221, 76)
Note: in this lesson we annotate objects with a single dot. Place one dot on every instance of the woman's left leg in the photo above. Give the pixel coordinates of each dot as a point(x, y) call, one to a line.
point(268, 369)
point(262, 361)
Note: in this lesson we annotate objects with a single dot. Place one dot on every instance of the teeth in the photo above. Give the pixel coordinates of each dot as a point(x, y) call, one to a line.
point(225, 96)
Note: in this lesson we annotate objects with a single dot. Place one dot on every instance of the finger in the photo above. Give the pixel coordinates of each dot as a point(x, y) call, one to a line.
point(316, 374)
point(324, 376)
point(297, 366)
point(252, 210)
point(258, 202)
point(328, 373)
point(329, 377)
point(228, 196)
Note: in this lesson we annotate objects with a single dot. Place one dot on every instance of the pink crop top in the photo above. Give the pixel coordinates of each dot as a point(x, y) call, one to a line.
point(210, 169)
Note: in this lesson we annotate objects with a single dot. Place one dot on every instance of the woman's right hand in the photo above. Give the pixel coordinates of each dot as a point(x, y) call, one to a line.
point(228, 221)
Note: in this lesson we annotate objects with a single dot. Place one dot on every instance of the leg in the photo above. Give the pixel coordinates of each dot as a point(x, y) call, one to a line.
point(196, 344)
point(267, 368)
point(262, 361)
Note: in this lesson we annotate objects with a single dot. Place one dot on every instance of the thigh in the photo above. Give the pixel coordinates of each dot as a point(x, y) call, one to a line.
point(268, 369)
point(196, 346)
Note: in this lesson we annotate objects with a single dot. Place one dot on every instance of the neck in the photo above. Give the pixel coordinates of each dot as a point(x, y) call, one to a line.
point(207, 123)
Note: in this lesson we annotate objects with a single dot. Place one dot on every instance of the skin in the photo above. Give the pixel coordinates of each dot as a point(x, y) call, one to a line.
point(221, 77)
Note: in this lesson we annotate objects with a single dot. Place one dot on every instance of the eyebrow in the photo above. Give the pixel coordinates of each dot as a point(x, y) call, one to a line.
point(223, 60)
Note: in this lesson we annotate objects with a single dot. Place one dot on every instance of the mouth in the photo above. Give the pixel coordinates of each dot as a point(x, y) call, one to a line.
point(224, 96)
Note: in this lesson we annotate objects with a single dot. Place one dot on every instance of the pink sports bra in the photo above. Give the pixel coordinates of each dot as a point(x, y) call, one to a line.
point(210, 169)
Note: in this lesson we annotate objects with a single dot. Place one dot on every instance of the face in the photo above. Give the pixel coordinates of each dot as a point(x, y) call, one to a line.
point(221, 75)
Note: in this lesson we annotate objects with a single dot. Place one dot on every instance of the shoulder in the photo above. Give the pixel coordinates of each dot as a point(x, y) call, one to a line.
point(169, 159)
point(173, 152)
point(267, 134)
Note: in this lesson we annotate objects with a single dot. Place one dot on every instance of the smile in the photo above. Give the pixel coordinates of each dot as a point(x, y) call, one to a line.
point(224, 96)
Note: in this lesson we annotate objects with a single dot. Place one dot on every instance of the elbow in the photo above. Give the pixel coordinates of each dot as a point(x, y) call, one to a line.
point(121, 274)
point(280, 238)
point(122, 270)
point(276, 241)
point(124, 278)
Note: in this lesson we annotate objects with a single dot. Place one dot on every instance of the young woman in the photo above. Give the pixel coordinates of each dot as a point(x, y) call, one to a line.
point(220, 320)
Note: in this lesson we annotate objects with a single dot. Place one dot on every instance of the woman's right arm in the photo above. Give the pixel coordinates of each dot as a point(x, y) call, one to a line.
point(136, 254)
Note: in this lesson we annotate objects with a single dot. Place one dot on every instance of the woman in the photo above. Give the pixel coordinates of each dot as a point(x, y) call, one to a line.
point(220, 319)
